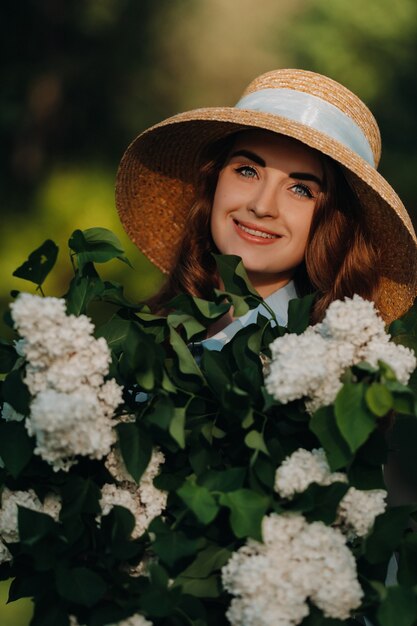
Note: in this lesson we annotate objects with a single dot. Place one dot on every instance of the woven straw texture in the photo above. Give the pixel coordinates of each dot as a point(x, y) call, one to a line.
point(155, 182)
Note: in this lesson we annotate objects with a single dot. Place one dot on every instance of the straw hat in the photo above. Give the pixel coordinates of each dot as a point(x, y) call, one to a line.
point(156, 179)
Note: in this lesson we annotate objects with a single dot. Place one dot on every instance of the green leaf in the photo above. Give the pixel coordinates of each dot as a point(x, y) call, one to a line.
point(160, 414)
point(39, 263)
point(197, 308)
point(240, 306)
point(216, 371)
point(82, 290)
point(79, 495)
point(265, 469)
point(207, 561)
point(402, 437)
point(49, 614)
point(320, 503)
point(174, 546)
point(199, 500)
point(8, 357)
point(191, 326)
point(186, 361)
point(96, 245)
point(116, 332)
point(15, 392)
point(379, 399)
point(247, 509)
point(80, 585)
point(407, 571)
point(116, 528)
point(33, 526)
point(224, 480)
point(255, 441)
point(235, 278)
point(299, 311)
point(177, 426)
point(142, 359)
point(200, 587)
point(323, 425)
point(157, 602)
point(399, 607)
point(353, 418)
point(16, 447)
point(113, 292)
point(136, 448)
point(387, 533)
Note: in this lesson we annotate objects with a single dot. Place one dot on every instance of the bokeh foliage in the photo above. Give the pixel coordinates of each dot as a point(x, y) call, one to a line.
point(372, 49)
point(81, 78)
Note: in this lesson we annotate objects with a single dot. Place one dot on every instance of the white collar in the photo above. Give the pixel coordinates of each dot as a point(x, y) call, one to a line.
point(277, 301)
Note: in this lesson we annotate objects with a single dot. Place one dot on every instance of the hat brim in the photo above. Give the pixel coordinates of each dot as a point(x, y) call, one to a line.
point(155, 190)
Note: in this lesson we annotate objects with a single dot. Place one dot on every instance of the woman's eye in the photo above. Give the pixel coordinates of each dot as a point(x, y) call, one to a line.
point(302, 190)
point(247, 171)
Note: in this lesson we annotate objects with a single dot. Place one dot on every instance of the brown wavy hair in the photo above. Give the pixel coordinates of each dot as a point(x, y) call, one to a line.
point(340, 258)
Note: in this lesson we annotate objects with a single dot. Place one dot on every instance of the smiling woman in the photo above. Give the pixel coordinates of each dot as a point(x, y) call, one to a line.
point(263, 206)
point(286, 180)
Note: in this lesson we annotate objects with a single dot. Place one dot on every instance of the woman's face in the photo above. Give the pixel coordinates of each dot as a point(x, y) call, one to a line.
point(264, 203)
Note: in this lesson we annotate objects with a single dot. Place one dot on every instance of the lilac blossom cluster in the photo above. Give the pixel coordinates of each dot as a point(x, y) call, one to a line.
point(311, 365)
point(297, 562)
point(72, 405)
point(10, 501)
point(358, 508)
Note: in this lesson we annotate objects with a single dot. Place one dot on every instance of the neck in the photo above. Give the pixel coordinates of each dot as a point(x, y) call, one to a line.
point(265, 284)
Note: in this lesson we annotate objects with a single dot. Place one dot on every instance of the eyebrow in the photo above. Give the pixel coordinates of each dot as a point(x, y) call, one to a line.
point(249, 155)
point(306, 176)
point(257, 159)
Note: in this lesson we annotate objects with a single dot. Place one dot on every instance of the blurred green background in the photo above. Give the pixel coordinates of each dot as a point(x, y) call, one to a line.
point(80, 79)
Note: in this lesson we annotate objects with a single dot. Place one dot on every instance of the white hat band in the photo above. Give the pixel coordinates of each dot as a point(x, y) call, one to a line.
point(311, 111)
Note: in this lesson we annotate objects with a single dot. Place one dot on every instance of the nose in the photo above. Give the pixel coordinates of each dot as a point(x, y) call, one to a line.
point(266, 201)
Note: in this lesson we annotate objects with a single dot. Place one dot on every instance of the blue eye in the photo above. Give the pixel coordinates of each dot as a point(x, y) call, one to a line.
point(247, 171)
point(302, 190)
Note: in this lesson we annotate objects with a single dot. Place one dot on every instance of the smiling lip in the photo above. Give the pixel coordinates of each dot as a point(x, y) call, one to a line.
point(250, 232)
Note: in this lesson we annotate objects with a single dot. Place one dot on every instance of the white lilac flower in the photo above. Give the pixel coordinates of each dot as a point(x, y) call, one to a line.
point(353, 320)
point(72, 406)
point(358, 509)
point(144, 500)
point(272, 581)
point(311, 365)
point(5, 554)
point(70, 424)
point(10, 415)
point(10, 500)
point(298, 365)
point(401, 360)
point(307, 366)
point(86, 365)
point(301, 469)
point(48, 333)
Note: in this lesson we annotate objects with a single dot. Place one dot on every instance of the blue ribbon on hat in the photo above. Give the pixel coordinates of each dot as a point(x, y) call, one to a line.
point(313, 112)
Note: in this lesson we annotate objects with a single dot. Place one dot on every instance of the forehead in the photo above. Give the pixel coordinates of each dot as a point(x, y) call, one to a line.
point(272, 146)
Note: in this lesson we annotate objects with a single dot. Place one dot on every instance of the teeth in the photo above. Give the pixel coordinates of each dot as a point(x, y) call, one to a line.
point(257, 233)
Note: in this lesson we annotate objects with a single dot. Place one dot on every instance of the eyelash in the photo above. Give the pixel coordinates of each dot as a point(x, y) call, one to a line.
point(243, 169)
point(305, 188)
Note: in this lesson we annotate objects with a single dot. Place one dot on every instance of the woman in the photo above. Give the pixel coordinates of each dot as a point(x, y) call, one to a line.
point(287, 180)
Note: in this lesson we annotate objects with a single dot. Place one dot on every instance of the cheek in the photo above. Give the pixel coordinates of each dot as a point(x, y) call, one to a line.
point(302, 225)
point(216, 227)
